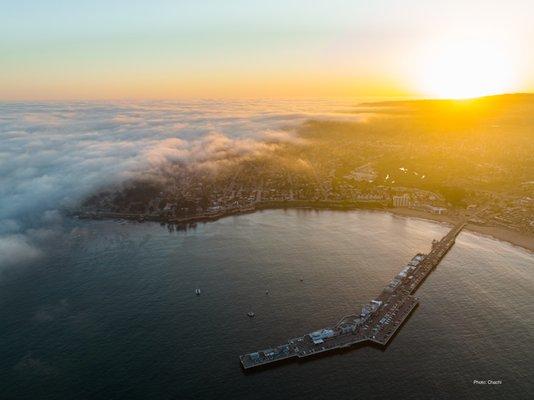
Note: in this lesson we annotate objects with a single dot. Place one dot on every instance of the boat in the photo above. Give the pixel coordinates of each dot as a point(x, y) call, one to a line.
point(197, 292)
point(251, 314)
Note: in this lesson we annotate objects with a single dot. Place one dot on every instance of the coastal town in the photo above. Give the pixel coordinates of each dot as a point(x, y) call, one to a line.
point(196, 197)
point(398, 159)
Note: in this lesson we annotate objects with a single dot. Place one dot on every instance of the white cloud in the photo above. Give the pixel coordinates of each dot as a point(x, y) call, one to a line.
point(17, 250)
point(52, 155)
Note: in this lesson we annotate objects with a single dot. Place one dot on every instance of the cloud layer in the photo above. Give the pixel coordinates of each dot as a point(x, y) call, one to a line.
point(52, 155)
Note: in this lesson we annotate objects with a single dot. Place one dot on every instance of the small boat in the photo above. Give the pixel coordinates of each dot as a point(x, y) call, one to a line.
point(266, 292)
point(251, 314)
point(197, 292)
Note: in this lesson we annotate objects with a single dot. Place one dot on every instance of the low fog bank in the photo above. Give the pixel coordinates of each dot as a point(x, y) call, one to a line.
point(54, 155)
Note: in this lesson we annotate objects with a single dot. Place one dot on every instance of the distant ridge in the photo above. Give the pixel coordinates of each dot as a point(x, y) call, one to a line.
point(497, 99)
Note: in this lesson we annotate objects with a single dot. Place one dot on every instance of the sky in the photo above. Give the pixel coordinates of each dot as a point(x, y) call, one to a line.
point(162, 49)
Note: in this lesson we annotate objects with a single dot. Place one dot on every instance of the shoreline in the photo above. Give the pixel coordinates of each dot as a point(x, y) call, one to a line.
point(514, 238)
point(522, 240)
point(502, 234)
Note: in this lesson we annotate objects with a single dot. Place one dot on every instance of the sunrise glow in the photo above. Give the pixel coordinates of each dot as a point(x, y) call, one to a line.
point(464, 68)
point(168, 50)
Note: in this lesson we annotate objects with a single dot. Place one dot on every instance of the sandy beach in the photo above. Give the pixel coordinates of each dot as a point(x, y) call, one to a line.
point(516, 238)
point(523, 240)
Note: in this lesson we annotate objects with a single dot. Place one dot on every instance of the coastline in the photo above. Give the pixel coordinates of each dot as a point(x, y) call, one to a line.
point(519, 239)
point(409, 212)
point(515, 238)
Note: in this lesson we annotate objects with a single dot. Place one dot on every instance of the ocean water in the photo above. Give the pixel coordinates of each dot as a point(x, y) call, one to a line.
point(111, 313)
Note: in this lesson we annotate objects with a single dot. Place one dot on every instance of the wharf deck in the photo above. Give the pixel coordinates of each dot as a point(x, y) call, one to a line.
point(378, 321)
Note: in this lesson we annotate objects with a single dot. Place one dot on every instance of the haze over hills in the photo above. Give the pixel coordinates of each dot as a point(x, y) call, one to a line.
point(436, 153)
point(494, 100)
point(177, 159)
point(459, 143)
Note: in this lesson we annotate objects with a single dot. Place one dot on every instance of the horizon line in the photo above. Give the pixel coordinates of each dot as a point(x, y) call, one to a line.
point(379, 98)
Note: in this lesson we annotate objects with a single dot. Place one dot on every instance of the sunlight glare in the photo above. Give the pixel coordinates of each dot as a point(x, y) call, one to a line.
point(463, 69)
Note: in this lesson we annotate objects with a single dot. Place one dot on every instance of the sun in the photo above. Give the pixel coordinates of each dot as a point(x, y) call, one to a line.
point(461, 69)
